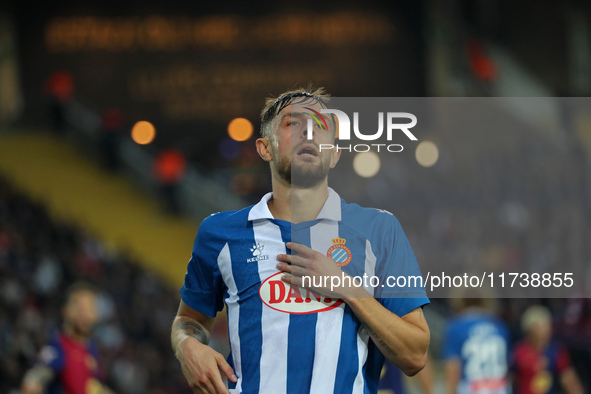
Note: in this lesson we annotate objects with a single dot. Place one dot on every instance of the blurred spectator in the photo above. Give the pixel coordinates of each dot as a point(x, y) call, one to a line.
point(39, 258)
point(542, 365)
point(169, 167)
point(482, 66)
point(112, 123)
point(476, 348)
point(60, 88)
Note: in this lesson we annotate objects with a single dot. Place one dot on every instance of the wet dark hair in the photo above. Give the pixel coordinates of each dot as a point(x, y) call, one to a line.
point(273, 106)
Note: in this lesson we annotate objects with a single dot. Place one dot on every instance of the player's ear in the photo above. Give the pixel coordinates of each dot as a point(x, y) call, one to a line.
point(335, 155)
point(264, 149)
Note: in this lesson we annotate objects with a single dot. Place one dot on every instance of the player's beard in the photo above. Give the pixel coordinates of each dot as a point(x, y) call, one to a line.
point(83, 330)
point(304, 175)
point(78, 330)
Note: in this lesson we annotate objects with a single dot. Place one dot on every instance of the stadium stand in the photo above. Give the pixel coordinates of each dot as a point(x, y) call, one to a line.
point(39, 257)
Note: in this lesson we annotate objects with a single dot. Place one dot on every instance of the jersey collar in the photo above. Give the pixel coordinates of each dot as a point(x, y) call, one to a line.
point(330, 210)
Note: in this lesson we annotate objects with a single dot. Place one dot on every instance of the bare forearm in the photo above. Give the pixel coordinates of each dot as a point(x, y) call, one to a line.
point(452, 375)
point(404, 344)
point(570, 382)
point(184, 327)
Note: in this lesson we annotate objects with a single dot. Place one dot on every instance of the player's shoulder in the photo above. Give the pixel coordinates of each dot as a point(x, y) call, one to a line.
point(52, 352)
point(482, 322)
point(491, 318)
point(464, 320)
point(56, 339)
point(555, 347)
point(367, 217)
point(225, 219)
point(217, 228)
point(456, 323)
point(93, 348)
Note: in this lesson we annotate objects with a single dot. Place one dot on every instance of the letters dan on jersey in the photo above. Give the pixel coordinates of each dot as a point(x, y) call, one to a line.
point(283, 297)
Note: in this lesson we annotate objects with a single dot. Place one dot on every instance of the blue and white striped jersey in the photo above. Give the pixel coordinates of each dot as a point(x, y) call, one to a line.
point(285, 339)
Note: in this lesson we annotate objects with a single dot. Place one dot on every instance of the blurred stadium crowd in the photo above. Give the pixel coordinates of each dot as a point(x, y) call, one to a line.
point(39, 258)
point(522, 206)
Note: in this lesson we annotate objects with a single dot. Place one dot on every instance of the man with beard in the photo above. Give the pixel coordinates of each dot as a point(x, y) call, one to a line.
point(69, 362)
point(286, 337)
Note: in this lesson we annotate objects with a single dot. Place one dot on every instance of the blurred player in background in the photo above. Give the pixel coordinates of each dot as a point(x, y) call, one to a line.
point(392, 381)
point(285, 338)
point(476, 350)
point(542, 365)
point(68, 364)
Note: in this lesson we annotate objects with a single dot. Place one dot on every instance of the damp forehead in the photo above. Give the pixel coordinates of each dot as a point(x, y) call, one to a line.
point(292, 105)
point(299, 103)
point(303, 108)
point(298, 108)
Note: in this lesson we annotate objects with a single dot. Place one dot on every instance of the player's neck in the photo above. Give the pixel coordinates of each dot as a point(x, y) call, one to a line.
point(297, 205)
point(72, 334)
point(539, 344)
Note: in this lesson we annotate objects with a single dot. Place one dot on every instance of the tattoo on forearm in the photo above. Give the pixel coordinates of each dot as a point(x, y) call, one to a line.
point(379, 340)
point(195, 330)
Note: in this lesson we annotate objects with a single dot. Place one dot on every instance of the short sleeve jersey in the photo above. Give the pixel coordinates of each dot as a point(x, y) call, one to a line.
point(74, 364)
point(480, 342)
point(538, 371)
point(285, 339)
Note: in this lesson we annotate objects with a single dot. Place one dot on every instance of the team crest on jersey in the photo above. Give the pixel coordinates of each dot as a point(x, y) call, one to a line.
point(283, 297)
point(257, 250)
point(339, 252)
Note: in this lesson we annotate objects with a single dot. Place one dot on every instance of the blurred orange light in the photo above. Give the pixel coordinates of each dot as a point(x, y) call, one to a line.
point(143, 132)
point(240, 129)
